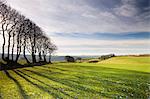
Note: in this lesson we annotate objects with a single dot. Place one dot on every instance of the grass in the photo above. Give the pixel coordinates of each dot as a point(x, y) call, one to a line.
point(118, 78)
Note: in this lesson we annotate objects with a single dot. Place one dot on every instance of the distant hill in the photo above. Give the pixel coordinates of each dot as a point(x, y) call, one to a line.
point(62, 58)
point(140, 55)
point(57, 58)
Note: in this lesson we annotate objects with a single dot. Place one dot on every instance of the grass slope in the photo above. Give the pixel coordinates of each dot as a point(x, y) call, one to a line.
point(119, 77)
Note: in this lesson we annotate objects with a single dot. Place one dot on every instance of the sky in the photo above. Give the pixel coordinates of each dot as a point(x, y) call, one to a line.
point(91, 27)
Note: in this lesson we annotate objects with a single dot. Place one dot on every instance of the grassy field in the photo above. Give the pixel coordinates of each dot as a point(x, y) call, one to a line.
point(118, 78)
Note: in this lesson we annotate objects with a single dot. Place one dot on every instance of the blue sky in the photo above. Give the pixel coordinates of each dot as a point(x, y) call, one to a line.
point(91, 27)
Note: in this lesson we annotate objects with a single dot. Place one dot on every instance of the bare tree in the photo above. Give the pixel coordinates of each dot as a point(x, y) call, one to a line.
point(51, 49)
point(25, 35)
point(14, 18)
point(18, 24)
point(4, 16)
point(48, 48)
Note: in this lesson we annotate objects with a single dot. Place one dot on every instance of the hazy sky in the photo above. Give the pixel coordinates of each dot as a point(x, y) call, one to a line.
point(91, 27)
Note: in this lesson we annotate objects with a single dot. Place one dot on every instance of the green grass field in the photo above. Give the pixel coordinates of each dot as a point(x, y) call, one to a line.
point(118, 78)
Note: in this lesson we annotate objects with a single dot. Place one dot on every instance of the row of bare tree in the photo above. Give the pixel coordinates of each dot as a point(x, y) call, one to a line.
point(22, 36)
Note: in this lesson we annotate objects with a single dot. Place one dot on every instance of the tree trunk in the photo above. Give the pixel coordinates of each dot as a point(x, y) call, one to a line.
point(18, 48)
point(40, 56)
point(3, 47)
point(44, 56)
point(50, 58)
point(33, 58)
point(24, 54)
point(33, 55)
point(8, 46)
point(18, 54)
point(12, 51)
point(24, 51)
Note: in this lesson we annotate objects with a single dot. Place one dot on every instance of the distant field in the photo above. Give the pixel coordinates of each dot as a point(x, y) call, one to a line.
point(118, 77)
point(128, 63)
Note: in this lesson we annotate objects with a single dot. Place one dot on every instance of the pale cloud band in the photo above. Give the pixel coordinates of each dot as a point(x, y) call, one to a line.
point(69, 16)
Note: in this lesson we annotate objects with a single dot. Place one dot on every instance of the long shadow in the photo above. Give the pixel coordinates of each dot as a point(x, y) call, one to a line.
point(54, 68)
point(120, 73)
point(39, 86)
point(11, 66)
point(93, 78)
point(69, 83)
point(44, 83)
point(1, 97)
point(117, 75)
point(18, 85)
point(76, 84)
point(48, 70)
point(14, 65)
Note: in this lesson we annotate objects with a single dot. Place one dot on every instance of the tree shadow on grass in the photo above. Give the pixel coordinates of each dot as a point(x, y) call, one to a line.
point(47, 67)
point(48, 70)
point(10, 66)
point(75, 84)
point(21, 74)
point(25, 74)
point(108, 84)
point(0, 96)
point(14, 65)
point(17, 83)
point(69, 83)
point(109, 81)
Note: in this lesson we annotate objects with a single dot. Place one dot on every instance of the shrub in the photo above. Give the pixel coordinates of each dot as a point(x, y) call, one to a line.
point(93, 61)
point(69, 59)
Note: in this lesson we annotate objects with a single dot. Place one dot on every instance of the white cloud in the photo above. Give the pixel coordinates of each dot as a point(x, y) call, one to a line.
point(61, 41)
point(77, 16)
point(75, 46)
point(126, 10)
